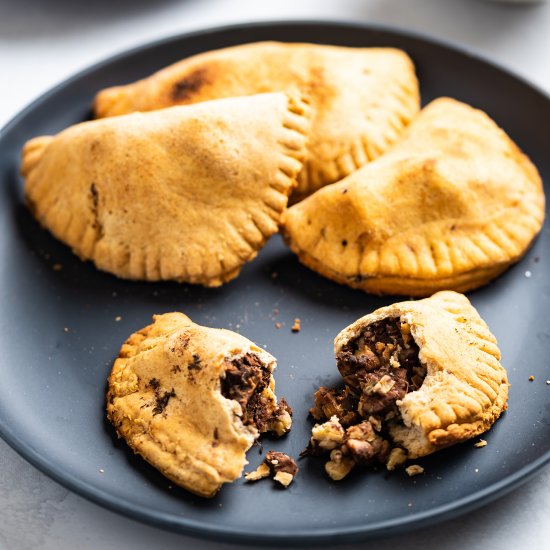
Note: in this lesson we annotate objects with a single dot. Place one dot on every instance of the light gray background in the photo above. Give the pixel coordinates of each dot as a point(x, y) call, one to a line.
point(44, 41)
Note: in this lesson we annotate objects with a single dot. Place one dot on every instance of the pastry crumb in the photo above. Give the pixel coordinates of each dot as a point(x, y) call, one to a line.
point(66, 329)
point(296, 327)
point(57, 267)
point(118, 318)
point(414, 470)
point(259, 473)
point(278, 325)
point(531, 378)
point(481, 443)
point(101, 471)
point(397, 458)
point(284, 478)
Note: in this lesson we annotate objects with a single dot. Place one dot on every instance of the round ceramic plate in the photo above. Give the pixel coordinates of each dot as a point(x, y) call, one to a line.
point(62, 323)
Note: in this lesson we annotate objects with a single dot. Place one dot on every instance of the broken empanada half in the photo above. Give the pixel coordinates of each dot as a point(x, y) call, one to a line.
point(451, 206)
point(192, 400)
point(187, 193)
point(362, 98)
point(419, 376)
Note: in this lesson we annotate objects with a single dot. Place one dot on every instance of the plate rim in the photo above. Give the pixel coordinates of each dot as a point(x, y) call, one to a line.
point(207, 530)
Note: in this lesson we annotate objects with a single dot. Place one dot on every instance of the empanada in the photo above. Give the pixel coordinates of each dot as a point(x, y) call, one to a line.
point(362, 98)
point(187, 193)
point(192, 400)
point(451, 206)
point(419, 375)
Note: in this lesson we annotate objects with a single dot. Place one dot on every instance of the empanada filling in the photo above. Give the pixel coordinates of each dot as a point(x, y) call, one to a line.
point(247, 381)
point(379, 368)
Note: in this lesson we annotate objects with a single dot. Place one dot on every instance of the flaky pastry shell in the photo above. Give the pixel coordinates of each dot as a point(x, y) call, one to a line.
point(165, 399)
point(361, 98)
point(450, 206)
point(187, 193)
point(466, 387)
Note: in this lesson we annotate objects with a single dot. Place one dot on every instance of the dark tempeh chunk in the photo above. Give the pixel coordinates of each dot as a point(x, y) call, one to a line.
point(245, 379)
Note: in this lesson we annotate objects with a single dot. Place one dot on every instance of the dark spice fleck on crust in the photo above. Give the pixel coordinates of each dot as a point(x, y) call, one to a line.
point(94, 195)
point(162, 401)
point(215, 437)
point(196, 364)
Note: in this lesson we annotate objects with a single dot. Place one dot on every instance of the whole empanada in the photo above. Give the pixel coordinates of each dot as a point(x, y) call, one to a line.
point(362, 98)
point(187, 193)
point(420, 376)
point(192, 400)
point(451, 206)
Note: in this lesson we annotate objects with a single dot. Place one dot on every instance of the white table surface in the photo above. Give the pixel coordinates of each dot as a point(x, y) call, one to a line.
point(44, 41)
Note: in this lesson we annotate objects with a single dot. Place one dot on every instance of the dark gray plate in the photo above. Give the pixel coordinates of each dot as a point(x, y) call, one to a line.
point(59, 333)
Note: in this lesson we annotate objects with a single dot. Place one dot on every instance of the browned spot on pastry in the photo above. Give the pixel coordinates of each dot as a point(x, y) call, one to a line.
point(184, 89)
point(379, 367)
point(175, 369)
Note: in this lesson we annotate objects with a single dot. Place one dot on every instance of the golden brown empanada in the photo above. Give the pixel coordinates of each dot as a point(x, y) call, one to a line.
point(187, 193)
point(419, 376)
point(191, 400)
point(451, 206)
point(362, 98)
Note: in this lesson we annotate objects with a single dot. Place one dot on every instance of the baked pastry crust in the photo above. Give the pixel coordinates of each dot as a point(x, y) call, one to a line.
point(466, 387)
point(165, 399)
point(451, 206)
point(362, 98)
point(187, 194)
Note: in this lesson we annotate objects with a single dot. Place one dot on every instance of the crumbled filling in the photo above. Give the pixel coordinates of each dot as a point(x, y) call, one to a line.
point(247, 382)
point(379, 368)
point(280, 466)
